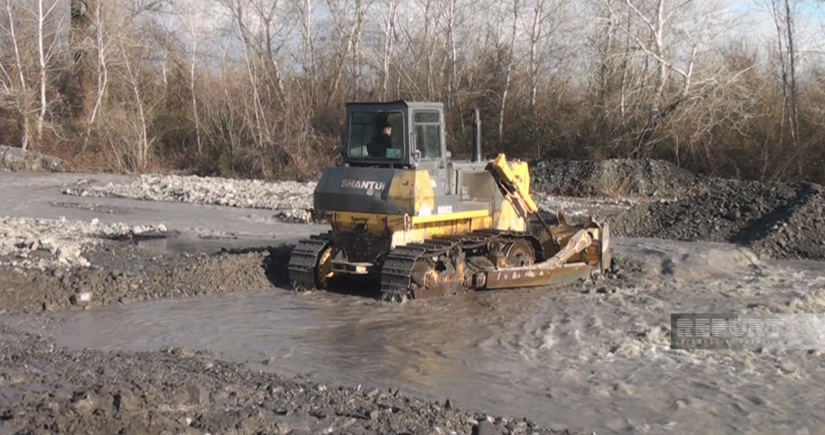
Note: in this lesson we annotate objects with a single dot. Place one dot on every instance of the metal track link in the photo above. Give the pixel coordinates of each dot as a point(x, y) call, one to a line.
point(304, 258)
point(396, 282)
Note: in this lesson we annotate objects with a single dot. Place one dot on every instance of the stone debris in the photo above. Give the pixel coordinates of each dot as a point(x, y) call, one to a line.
point(641, 198)
point(615, 178)
point(161, 392)
point(18, 159)
point(776, 220)
point(291, 199)
point(58, 243)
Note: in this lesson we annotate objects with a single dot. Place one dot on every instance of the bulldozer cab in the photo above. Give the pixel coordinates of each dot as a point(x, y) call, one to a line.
point(395, 134)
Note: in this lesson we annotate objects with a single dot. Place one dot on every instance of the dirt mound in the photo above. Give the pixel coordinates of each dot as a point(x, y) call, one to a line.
point(188, 392)
point(18, 159)
point(623, 178)
point(775, 220)
point(794, 231)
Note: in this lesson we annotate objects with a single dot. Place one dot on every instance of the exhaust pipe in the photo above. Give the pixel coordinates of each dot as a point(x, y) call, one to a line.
point(477, 135)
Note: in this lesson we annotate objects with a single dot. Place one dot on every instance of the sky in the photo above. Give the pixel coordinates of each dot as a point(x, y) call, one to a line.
point(756, 22)
point(811, 24)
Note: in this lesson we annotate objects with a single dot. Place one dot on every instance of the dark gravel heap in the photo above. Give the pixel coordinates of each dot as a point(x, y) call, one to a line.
point(46, 390)
point(611, 178)
point(775, 220)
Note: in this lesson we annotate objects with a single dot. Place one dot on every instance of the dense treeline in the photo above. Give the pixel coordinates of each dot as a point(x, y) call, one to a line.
point(257, 87)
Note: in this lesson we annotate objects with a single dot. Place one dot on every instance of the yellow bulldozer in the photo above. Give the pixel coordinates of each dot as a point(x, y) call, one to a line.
point(407, 217)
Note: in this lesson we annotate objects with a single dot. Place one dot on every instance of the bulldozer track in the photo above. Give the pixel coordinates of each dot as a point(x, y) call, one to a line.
point(304, 258)
point(399, 265)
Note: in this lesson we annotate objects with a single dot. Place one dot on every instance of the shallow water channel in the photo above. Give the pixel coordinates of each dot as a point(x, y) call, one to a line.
point(597, 361)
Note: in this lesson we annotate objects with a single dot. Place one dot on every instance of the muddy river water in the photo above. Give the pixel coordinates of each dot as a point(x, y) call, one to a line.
point(597, 361)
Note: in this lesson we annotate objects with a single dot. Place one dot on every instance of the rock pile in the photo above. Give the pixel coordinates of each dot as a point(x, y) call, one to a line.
point(57, 243)
point(291, 200)
point(18, 159)
point(616, 178)
point(775, 220)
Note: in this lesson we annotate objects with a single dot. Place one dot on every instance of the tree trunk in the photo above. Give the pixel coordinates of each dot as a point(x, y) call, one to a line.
point(389, 36)
point(509, 75)
point(81, 29)
point(102, 76)
point(25, 105)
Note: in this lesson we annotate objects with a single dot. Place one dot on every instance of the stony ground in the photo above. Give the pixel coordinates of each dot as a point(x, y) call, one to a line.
point(54, 243)
point(618, 178)
point(775, 221)
point(290, 200)
point(180, 391)
point(647, 198)
point(48, 265)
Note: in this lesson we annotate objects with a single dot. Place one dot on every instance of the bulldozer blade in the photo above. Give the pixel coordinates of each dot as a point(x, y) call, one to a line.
point(537, 277)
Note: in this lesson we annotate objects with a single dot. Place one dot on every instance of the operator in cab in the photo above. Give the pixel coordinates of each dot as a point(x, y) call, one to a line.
point(382, 141)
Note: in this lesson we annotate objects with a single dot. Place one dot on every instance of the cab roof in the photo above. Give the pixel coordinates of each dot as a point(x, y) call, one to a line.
point(395, 104)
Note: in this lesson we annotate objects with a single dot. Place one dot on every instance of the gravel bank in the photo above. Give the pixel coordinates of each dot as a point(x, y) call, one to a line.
point(18, 159)
point(617, 178)
point(123, 274)
point(187, 392)
point(59, 243)
point(774, 220)
point(646, 198)
point(290, 200)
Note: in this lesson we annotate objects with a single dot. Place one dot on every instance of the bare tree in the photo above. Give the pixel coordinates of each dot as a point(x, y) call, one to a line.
point(43, 57)
point(657, 18)
point(144, 144)
point(389, 37)
point(448, 15)
point(103, 41)
point(535, 35)
point(783, 12)
point(349, 31)
point(510, 64)
point(192, 21)
point(309, 45)
point(23, 103)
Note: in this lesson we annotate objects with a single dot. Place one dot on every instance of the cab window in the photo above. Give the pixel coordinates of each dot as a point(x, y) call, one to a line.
point(376, 135)
point(427, 127)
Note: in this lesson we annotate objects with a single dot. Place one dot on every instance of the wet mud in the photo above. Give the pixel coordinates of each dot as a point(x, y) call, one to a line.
point(46, 389)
